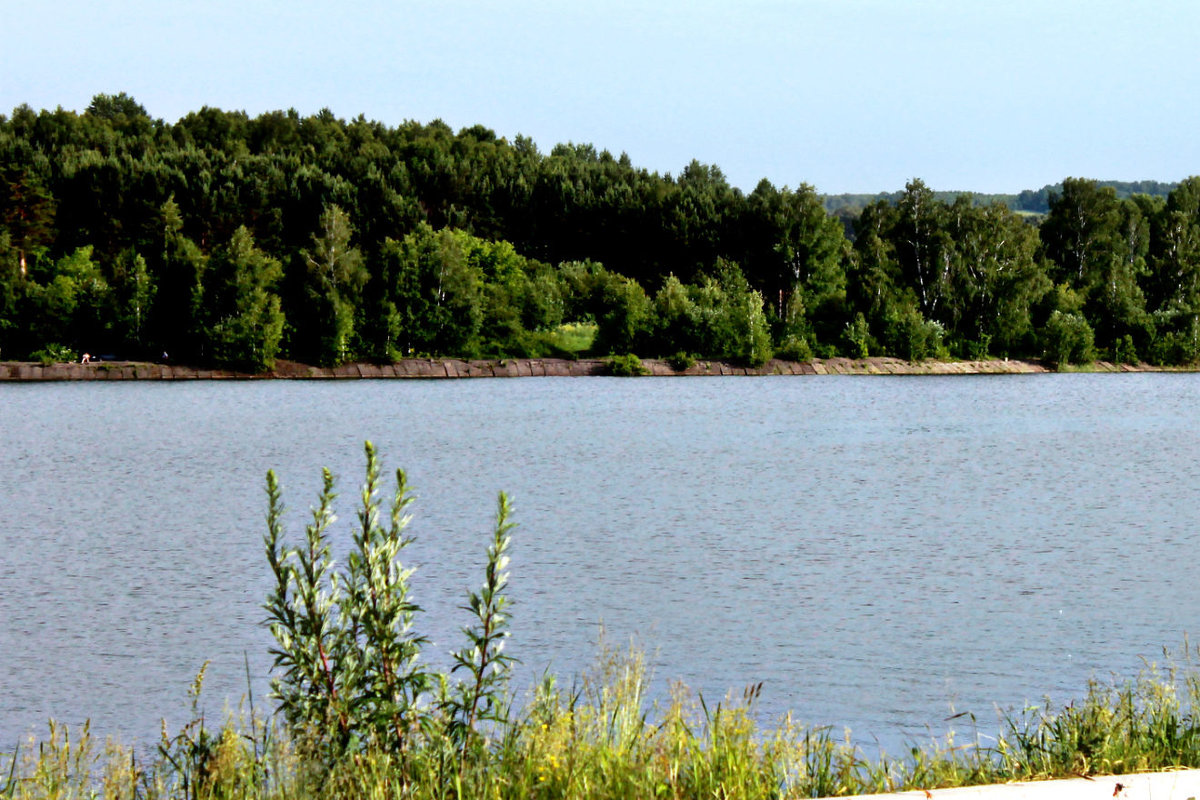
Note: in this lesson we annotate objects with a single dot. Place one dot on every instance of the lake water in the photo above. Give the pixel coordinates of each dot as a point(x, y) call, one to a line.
point(880, 552)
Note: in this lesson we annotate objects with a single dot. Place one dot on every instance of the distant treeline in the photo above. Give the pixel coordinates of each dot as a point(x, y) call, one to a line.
point(1031, 201)
point(230, 240)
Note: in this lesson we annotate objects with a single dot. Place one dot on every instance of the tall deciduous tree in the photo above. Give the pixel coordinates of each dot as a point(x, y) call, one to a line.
point(244, 319)
point(133, 290)
point(70, 303)
point(1174, 279)
point(1080, 231)
point(997, 279)
point(438, 292)
point(797, 257)
point(623, 312)
point(176, 316)
point(874, 285)
point(336, 279)
point(922, 247)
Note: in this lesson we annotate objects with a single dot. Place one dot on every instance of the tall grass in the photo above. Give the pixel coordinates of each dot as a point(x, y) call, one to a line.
point(602, 738)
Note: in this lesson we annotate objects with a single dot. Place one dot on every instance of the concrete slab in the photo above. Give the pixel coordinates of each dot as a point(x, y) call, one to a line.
point(1177, 785)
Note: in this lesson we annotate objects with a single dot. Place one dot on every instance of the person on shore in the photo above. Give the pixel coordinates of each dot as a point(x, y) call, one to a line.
point(87, 359)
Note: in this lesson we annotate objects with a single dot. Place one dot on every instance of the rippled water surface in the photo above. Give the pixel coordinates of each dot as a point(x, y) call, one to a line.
point(879, 551)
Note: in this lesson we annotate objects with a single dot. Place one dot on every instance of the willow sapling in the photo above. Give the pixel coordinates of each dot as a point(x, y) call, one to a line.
point(347, 656)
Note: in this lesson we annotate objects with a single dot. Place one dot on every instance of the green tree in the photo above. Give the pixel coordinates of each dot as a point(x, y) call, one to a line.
point(115, 106)
point(1080, 232)
point(506, 287)
point(244, 319)
point(678, 320)
point(12, 286)
point(72, 302)
point(438, 293)
point(133, 289)
point(997, 279)
point(1116, 303)
point(336, 277)
point(923, 248)
point(1068, 339)
point(623, 312)
point(27, 212)
point(176, 313)
point(1173, 283)
point(909, 335)
point(798, 257)
point(742, 330)
point(874, 284)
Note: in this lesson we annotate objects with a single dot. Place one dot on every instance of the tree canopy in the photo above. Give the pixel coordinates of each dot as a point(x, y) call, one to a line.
point(231, 240)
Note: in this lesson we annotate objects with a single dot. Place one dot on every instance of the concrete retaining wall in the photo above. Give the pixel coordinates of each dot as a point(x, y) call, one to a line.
point(517, 368)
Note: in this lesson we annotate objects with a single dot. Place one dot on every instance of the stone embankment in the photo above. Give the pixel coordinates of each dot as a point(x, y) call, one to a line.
point(518, 368)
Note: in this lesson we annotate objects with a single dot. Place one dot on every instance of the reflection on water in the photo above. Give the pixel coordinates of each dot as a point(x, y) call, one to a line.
point(880, 552)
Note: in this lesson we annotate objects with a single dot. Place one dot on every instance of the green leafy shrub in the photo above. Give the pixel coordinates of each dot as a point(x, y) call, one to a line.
point(1124, 351)
point(912, 337)
point(626, 366)
point(795, 348)
point(856, 339)
point(1068, 339)
point(681, 361)
point(347, 655)
point(55, 354)
point(970, 349)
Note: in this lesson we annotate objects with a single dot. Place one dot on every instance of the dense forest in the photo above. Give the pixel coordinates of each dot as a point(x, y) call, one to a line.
point(229, 240)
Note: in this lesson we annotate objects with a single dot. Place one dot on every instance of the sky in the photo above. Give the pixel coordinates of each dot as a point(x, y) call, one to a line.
point(844, 95)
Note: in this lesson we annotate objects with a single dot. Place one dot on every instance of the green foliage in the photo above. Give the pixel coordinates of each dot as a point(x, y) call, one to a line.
point(419, 239)
point(27, 212)
point(795, 349)
point(67, 301)
point(722, 318)
point(623, 313)
point(741, 326)
point(573, 337)
point(1177, 346)
point(857, 337)
point(246, 322)
point(481, 698)
point(133, 290)
point(625, 366)
point(913, 337)
point(1124, 351)
point(54, 353)
point(177, 315)
point(336, 277)
point(1068, 339)
point(350, 679)
point(438, 292)
point(680, 322)
point(681, 361)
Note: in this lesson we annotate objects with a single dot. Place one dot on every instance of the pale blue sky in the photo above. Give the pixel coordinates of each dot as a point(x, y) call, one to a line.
point(846, 95)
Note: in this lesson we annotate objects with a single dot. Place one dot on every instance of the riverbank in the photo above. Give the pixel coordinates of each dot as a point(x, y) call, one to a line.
point(435, 368)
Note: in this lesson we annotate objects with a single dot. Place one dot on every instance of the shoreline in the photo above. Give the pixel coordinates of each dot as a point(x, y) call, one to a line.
point(453, 368)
